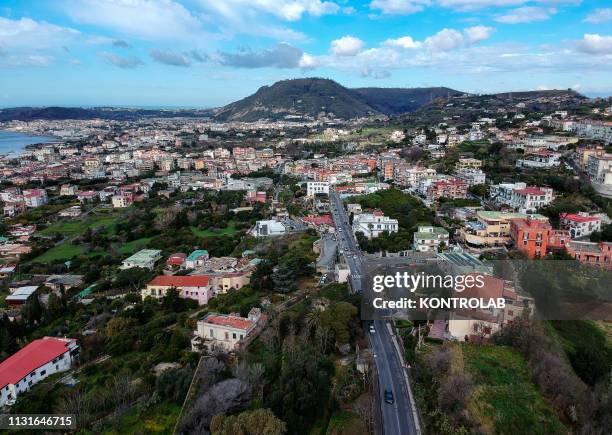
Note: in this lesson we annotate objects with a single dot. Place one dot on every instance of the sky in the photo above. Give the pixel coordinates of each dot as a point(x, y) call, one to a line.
point(207, 53)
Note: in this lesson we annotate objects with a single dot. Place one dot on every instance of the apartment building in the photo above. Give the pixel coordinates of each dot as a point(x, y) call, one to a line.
point(317, 187)
point(472, 177)
point(145, 259)
point(453, 188)
point(530, 236)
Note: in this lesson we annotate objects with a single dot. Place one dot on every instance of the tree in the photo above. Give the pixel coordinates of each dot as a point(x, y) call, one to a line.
point(118, 325)
point(284, 279)
point(257, 422)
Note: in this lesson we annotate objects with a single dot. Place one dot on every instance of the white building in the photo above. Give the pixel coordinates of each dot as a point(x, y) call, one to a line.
point(314, 187)
point(373, 224)
point(543, 159)
point(599, 169)
point(269, 228)
point(520, 197)
point(429, 239)
point(35, 362)
point(472, 177)
point(145, 258)
point(580, 225)
point(220, 331)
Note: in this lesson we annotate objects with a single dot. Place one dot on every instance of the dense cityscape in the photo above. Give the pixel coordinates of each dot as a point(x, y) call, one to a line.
point(309, 217)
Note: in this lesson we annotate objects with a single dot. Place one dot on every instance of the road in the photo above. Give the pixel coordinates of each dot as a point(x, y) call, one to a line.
point(398, 417)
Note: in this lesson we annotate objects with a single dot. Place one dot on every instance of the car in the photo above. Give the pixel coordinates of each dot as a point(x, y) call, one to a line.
point(372, 330)
point(389, 397)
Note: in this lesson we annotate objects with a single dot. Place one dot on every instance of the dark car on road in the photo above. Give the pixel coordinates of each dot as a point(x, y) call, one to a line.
point(389, 397)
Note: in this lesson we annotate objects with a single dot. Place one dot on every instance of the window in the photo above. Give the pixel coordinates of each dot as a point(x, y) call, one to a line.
point(44, 372)
point(234, 335)
point(227, 335)
point(212, 332)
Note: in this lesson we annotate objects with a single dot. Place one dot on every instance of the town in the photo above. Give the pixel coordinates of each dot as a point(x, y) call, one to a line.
point(169, 274)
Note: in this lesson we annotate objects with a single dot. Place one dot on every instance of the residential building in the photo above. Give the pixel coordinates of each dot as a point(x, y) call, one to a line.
point(580, 224)
point(145, 258)
point(591, 253)
point(21, 295)
point(196, 287)
point(453, 188)
point(430, 239)
point(374, 224)
point(36, 361)
point(226, 331)
point(35, 197)
point(468, 163)
point(176, 259)
point(599, 170)
point(540, 160)
point(530, 236)
point(317, 187)
point(491, 228)
point(472, 177)
point(522, 198)
point(196, 259)
point(123, 200)
point(479, 325)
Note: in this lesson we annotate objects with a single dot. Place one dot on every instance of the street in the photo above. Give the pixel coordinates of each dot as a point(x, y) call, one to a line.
point(398, 417)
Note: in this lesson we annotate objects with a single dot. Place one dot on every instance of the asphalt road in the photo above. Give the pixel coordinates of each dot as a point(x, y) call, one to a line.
point(398, 417)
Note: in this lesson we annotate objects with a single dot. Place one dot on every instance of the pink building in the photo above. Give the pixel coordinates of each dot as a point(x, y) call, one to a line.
point(196, 287)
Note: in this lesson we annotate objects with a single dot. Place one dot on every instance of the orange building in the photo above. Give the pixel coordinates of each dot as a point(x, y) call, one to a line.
point(530, 236)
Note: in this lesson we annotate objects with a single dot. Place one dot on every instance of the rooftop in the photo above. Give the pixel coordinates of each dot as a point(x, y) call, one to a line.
point(180, 281)
point(229, 321)
point(34, 355)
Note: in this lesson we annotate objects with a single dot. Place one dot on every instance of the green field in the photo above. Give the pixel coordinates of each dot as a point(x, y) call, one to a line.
point(134, 245)
point(230, 230)
point(76, 227)
point(159, 419)
point(504, 400)
point(65, 251)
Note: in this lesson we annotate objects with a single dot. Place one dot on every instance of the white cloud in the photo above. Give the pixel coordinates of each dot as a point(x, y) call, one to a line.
point(527, 14)
point(169, 57)
point(288, 10)
point(26, 33)
point(399, 7)
point(471, 5)
point(144, 19)
point(346, 46)
point(445, 40)
point(599, 16)
point(595, 44)
point(307, 61)
point(404, 42)
point(478, 33)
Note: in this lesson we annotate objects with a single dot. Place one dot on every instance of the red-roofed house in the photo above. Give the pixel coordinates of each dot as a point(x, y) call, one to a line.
point(176, 259)
point(196, 287)
point(38, 360)
point(581, 224)
point(226, 331)
point(319, 221)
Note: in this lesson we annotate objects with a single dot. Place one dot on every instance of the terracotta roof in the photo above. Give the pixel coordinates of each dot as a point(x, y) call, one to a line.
point(180, 281)
point(229, 321)
point(34, 355)
point(530, 191)
point(579, 218)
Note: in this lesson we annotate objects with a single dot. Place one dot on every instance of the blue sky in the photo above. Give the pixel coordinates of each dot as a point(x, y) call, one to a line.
point(204, 53)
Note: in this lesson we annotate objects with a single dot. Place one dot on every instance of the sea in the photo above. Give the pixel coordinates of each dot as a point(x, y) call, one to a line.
point(12, 143)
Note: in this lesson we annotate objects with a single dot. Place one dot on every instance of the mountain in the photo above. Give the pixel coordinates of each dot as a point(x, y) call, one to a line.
point(396, 101)
point(310, 97)
point(298, 97)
